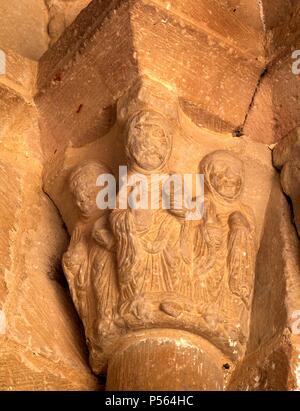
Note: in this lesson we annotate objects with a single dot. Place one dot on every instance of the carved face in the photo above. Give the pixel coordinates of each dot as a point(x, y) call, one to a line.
point(148, 144)
point(83, 186)
point(85, 196)
point(226, 179)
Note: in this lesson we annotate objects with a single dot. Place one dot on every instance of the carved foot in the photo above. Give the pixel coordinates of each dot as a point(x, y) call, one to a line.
point(141, 309)
point(171, 308)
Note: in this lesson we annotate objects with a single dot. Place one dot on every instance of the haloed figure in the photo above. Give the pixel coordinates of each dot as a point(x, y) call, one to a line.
point(89, 263)
point(225, 245)
point(148, 239)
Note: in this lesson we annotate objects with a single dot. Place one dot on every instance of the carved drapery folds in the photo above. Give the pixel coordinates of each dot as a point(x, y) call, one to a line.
point(90, 264)
point(286, 156)
point(137, 269)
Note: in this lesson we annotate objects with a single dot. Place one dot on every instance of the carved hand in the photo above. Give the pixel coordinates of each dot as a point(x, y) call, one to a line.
point(104, 237)
point(142, 218)
point(215, 234)
point(141, 309)
point(238, 220)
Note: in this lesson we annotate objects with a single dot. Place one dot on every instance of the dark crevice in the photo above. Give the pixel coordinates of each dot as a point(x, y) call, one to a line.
point(239, 131)
point(57, 210)
point(56, 272)
point(57, 275)
point(292, 212)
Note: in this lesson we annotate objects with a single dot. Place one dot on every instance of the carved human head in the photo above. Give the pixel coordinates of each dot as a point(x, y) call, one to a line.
point(83, 186)
point(148, 144)
point(224, 174)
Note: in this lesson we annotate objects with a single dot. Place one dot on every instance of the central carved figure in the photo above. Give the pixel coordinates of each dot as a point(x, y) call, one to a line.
point(132, 269)
point(151, 264)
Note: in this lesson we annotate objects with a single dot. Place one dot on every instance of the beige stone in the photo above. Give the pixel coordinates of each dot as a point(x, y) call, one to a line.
point(258, 167)
point(286, 157)
point(29, 29)
point(24, 27)
point(40, 337)
point(169, 87)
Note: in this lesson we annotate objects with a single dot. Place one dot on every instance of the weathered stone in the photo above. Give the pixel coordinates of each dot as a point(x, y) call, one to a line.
point(161, 87)
point(271, 359)
point(286, 157)
point(24, 27)
point(175, 352)
point(276, 109)
point(40, 336)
